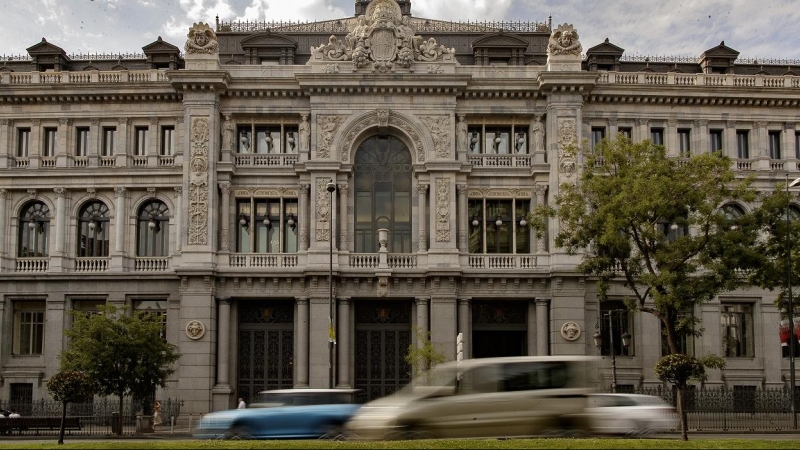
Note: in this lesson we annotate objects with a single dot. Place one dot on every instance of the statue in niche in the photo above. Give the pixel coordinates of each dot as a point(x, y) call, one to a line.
point(227, 132)
point(461, 135)
point(305, 133)
point(537, 134)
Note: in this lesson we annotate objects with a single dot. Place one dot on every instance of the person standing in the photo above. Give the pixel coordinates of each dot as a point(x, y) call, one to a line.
point(157, 418)
point(242, 404)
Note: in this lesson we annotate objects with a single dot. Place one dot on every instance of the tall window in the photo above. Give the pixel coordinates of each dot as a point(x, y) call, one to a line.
point(775, 145)
point(657, 136)
point(88, 307)
point(742, 144)
point(625, 131)
point(23, 142)
point(383, 194)
point(619, 324)
point(736, 321)
point(474, 138)
point(598, 134)
point(157, 307)
point(167, 140)
point(152, 230)
point(50, 142)
point(28, 327)
point(685, 343)
point(684, 141)
point(245, 143)
point(498, 226)
point(716, 140)
point(497, 140)
point(266, 225)
point(140, 141)
point(267, 139)
point(34, 230)
point(93, 230)
point(108, 141)
point(797, 144)
point(81, 141)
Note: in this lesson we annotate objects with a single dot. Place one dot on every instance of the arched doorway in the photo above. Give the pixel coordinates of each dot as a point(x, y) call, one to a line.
point(383, 194)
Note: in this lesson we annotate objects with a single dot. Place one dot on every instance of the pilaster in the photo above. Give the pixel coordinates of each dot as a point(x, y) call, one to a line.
point(221, 394)
point(343, 343)
point(301, 339)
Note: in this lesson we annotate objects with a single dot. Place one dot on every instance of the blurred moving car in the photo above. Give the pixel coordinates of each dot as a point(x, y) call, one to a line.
point(488, 397)
point(284, 414)
point(629, 414)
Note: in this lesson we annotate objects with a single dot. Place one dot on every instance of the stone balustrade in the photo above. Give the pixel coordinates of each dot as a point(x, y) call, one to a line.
point(494, 161)
point(32, 265)
point(95, 76)
point(151, 264)
point(699, 79)
point(90, 264)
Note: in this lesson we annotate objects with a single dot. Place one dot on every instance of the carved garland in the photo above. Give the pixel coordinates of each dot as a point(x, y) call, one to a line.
point(442, 210)
point(198, 183)
point(323, 211)
point(326, 130)
point(438, 126)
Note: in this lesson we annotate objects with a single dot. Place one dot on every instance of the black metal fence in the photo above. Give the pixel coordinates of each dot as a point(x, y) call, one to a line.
point(98, 417)
point(743, 408)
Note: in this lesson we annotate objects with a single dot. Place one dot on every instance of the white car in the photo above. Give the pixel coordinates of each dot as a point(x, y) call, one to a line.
point(629, 414)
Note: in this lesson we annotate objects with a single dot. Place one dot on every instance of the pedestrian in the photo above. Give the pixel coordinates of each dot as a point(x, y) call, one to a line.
point(242, 404)
point(156, 415)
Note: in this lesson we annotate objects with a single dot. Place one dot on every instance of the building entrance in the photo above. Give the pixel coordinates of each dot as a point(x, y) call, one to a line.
point(266, 346)
point(383, 334)
point(499, 329)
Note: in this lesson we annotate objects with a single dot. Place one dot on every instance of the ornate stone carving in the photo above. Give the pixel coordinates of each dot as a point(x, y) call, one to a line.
point(383, 286)
point(383, 37)
point(304, 132)
point(439, 127)
point(571, 331)
point(323, 211)
point(537, 135)
point(119, 191)
point(36, 122)
point(759, 125)
point(326, 126)
point(642, 121)
point(564, 41)
point(201, 40)
point(124, 121)
point(4, 193)
point(330, 68)
point(435, 68)
point(383, 117)
point(195, 329)
point(32, 193)
point(64, 121)
point(566, 145)
point(60, 192)
point(178, 190)
point(198, 183)
point(462, 138)
point(730, 124)
point(442, 210)
point(5, 122)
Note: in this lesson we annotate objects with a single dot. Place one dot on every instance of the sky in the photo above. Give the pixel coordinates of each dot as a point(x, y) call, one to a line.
point(756, 28)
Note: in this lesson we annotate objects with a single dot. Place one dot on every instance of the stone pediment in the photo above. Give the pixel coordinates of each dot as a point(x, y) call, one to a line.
point(46, 48)
point(500, 40)
point(721, 51)
point(606, 49)
point(268, 39)
point(160, 46)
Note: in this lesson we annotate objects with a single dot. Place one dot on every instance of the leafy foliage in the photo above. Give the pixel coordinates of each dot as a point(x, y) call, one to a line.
point(679, 369)
point(424, 355)
point(70, 386)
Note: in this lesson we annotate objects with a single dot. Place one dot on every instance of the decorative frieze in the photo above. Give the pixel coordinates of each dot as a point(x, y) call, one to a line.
point(567, 138)
point(262, 193)
point(323, 211)
point(442, 210)
point(326, 130)
point(198, 182)
point(498, 193)
point(439, 127)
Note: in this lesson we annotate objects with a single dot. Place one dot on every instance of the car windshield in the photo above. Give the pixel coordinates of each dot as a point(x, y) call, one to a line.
point(305, 398)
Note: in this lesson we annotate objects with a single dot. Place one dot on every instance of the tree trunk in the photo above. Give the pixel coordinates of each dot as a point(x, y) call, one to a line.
point(63, 421)
point(682, 412)
point(119, 418)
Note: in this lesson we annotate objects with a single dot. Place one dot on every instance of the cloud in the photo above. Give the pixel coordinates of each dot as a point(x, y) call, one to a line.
point(294, 10)
point(460, 10)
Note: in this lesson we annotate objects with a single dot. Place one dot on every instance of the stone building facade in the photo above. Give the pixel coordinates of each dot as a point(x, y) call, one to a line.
point(222, 186)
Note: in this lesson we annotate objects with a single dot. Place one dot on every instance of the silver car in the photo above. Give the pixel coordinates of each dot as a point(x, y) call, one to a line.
point(629, 414)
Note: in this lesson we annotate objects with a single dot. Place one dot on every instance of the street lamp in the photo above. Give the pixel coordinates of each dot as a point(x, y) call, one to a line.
point(331, 189)
point(598, 342)
point(790, 306)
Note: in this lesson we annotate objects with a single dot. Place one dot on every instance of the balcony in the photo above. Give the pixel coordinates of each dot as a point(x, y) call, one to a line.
point(699, 79)
point(502, 262)
point(91, 264)
point(32, 265)
point(263, 260)
point(151, 264)
point(372, 261)
point(166, 161)
point(492, 161)
point(256, 160)
point(66, 77)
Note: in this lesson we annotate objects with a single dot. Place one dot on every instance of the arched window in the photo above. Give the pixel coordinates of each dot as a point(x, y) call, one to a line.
point(93, 229)
point(732, 212)
point(794, 213)
point(383, 194)
point(34, 230)
point(152, 230)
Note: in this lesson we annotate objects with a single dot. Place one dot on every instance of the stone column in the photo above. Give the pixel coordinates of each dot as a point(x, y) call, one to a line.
point(641, 131)
point(464, 320)
point(422, 316)
point(343, 342)
point(56, 257)
point(303, 218)
point(225, 214)
point(444, 325)
point(223, 342)
point(671, 138)
point(463, 218)
point(613, 129)
point(179, 229)
point(301, 333)
point(3, 225)
point(787, 141)
point(64, 131)
point(422, 190)
point(542, 328)
point(7, 141)
point(120, 215)
point(153, 149)
point(702, 140)
point(121, 143)
point(344, 244)
point(35, 145)
point(540, 190)
point(729, 141)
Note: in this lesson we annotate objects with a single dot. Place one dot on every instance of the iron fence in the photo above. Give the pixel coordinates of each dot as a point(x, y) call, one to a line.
point(97, 417)
point(742, 408)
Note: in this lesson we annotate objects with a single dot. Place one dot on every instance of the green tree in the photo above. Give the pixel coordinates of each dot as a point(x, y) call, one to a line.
point(123, 354)
point(67, 387)
point(655, 224)
point(423, 356)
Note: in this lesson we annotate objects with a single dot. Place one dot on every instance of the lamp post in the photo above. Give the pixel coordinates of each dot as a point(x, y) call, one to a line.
point(331, 336)
point(790, 305)
point(598, 342)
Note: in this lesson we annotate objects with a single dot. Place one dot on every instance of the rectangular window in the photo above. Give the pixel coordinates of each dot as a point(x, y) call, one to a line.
point(23, 141)
point(21, 398)
point(475, 226)
point(244, 144)
point(50, 141)
point(736, 321)
point(743, 144)
point(157, 307)
point(270, 224)
point(775, 145)
point(685, 343)
point(657, 136)
point(615, 321)
point(523, 230)
point(598, 134)
point(797, 144)
point(88, 307)
point(268, 140)
point(81, 141)
point(684, 141)
point(140, 141)
point(28, 327)
point(474, 136)
point(498, 226)
point(108, 141)
point(497, 140)
point(167, 141)
point(625, 131)
point(292, 139)
point(716, 140)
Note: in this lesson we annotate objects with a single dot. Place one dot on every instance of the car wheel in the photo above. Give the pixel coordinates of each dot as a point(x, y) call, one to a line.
point(239, 433)
point(412, 432)
point(332, 432)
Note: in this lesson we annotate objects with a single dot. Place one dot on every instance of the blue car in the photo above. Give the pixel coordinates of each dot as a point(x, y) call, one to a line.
point(284, 414)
